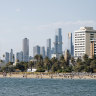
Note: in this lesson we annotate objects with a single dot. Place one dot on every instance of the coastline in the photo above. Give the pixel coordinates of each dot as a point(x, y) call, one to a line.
point(50, 76)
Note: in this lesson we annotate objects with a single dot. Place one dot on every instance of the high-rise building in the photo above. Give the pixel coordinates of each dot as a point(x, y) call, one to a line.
point(11, 56)
point(93, 48)
point(25, 50)
point(49, 48)
point(58, 42)
point(19, 56)
point(52, 50)
point(6, 57)
point(83, 37)
point(36, 50)
point(56, 45)
point(42, 51)
point(70, 44)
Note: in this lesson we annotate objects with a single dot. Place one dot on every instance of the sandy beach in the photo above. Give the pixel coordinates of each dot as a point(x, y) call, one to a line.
point(49, 76)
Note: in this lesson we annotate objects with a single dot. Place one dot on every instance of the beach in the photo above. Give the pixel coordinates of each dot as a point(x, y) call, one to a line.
point(49, 76)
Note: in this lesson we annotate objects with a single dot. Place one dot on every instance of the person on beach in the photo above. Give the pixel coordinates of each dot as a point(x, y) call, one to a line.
point(4, 74)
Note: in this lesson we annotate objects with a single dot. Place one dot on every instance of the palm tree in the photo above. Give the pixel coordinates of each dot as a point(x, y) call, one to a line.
point(47, 63)
point(85, 57)
point(3, 57)
point(53, 60)
point(1, 61)
point(31, 64)
point(72, 60)
point(40, 58)
point(36, 57)
point(61, 58)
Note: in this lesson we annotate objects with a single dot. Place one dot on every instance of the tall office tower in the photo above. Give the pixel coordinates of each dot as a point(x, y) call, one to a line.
point(42, 51)
point(19, 56)
point(70, 44)
point(25, 50)
point(83, 37)
point(6, 57)
point(11, 57)
point(52, 50)
point(49, 48)
point(36, 50)
point(58, 42)
point(56, 45)
point(93, 48)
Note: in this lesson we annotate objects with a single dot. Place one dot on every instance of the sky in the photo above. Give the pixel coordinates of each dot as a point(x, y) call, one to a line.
point(38, 20)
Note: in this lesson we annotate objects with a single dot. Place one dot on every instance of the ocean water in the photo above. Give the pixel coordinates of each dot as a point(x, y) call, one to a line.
point(47, 87)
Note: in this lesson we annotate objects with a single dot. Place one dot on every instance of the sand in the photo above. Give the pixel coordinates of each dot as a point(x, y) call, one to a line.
point(49, 76)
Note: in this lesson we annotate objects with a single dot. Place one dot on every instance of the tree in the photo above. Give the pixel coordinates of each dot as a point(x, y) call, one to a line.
point(79, 67)
point(4, 69)
point(56, 67)
point(85, 57)
point(72, 60)
point(9, 63)
point(47, 64)
point(78, 60)
point(53, 60)
point(20, 67)
point(93, 66)
point(61, 58)
point(68, 69)
point(40, 58)
point(1, 61)
point(36, 57)
point(31, 64)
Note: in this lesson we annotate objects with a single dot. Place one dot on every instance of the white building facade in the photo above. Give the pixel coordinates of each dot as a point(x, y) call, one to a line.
point(83, 37)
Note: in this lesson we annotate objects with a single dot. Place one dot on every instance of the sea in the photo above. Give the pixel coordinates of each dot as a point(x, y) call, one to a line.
point(46, 87)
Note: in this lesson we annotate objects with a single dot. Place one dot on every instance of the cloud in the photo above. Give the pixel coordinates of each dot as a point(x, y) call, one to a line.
point(18, 10)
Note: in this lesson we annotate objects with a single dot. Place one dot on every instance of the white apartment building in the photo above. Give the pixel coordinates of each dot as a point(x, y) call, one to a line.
point(83, 37)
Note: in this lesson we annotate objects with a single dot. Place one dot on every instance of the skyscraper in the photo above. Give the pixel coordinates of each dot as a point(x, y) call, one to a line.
point(83, 38)
point(42, 51)
point(70, 44)
point(36, 50)
point(6, 57)
point(11, 56)
point(19, 56)
point(58, 42)
point(25, 50)
point(49, 48)
point(93, 48)
point(56, 45)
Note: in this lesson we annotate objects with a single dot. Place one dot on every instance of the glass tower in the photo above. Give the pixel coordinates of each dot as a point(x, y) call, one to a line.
point(25, 50)
point(58, 42)
point(36, 50)
point(42, 51)
point(70, 44)
point(49, 48)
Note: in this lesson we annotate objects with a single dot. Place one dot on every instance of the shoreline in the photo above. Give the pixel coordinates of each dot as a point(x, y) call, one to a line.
point(50, 76)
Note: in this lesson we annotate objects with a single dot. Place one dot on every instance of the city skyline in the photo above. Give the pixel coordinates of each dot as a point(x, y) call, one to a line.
point(37, 22)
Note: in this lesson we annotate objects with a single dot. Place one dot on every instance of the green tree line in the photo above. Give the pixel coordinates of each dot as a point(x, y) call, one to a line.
point(54, 65)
